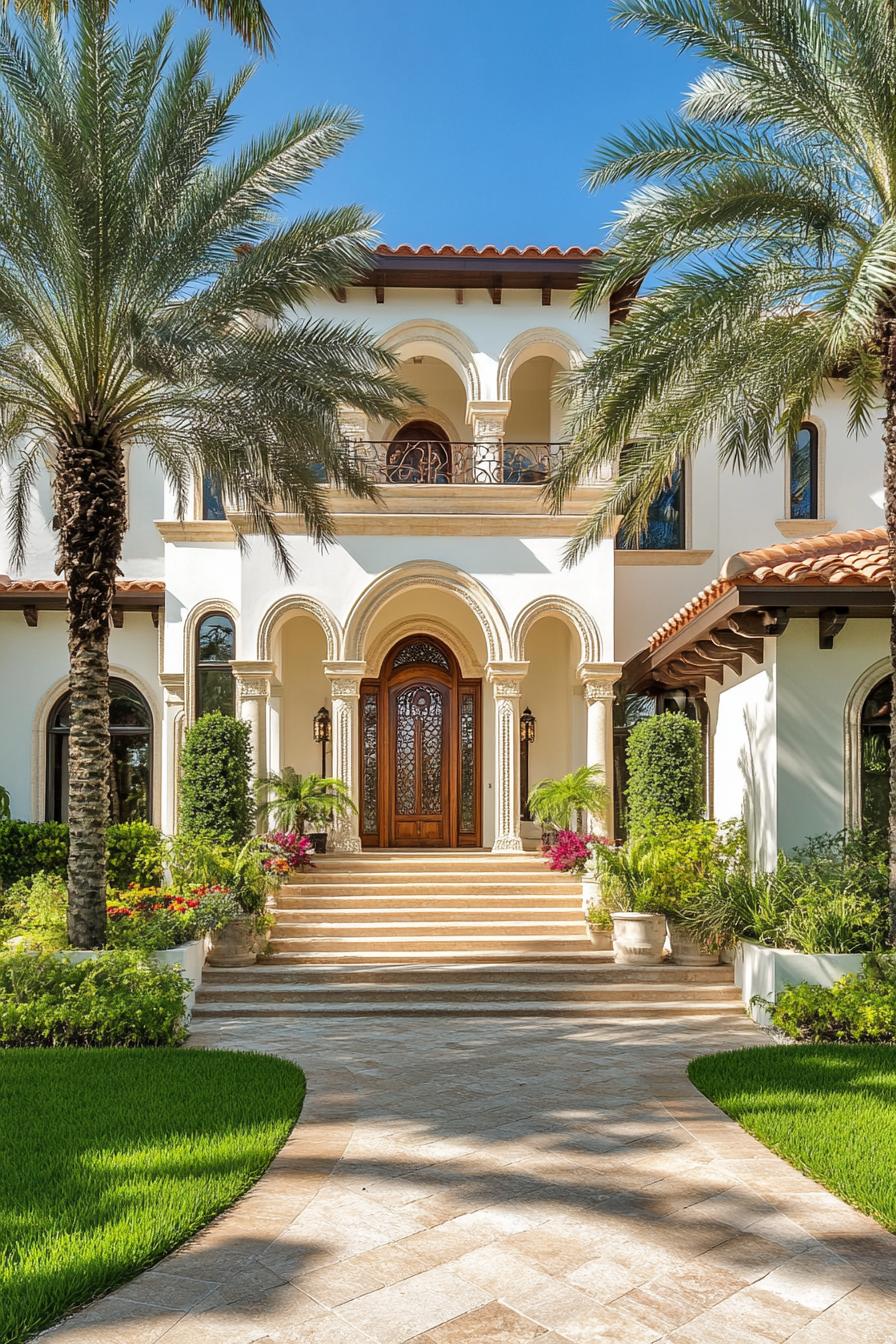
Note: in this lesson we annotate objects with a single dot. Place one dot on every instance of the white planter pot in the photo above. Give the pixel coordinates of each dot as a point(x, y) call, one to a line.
point(638, 939)
point(591, 893)
point(686, 951)
point(190, 957)
point(767, 970)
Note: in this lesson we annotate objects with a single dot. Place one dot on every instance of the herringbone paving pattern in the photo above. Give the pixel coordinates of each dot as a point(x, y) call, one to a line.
point(506, 1180)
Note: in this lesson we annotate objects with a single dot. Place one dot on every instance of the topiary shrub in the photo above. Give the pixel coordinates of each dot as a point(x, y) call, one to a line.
point(216, 769)
point(665, 772)
point(133, 854)
point(29, 847)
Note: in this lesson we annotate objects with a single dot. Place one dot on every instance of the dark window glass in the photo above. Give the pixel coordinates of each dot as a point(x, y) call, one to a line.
point(875, 757)
point(130, 731)
point(665, 521)
point(369, 760)
point(804, 474)
point(212, 499)
point(215, 647)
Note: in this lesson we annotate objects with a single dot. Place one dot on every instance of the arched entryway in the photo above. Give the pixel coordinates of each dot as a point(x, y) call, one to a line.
point(420, 766)
point(419, 454)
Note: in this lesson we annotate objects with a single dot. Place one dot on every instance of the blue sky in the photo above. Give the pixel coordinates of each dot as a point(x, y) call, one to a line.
point(479, 117)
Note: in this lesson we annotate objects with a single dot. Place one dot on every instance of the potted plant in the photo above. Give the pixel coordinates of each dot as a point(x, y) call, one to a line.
point(560, 803)
point(239, 871)
point(599, 924)
point(639, 928)
point(297, 802)
point(686, 859)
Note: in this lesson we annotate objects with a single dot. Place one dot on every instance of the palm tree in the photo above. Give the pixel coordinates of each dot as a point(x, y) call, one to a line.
point(768, 206)
point(149, 298)
point(248, 18)
point(296, 800)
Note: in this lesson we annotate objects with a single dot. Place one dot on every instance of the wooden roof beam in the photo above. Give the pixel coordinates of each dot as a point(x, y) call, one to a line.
point(831, 621)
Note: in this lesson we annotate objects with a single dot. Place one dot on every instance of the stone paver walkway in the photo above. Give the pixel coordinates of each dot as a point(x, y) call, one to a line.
point(461, 1181)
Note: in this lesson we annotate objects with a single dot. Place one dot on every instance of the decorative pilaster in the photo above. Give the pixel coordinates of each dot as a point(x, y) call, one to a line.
point(353, 425)
point(345, 689)
point(598, 680)
point(253, 689)
point(486, 420)
point(173, 718)
point(505, 679)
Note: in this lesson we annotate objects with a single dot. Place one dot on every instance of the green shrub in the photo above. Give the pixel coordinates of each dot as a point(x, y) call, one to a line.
point(4, 804)
point(560, 803)
point(665, 772)
point(133, 854)
point(828, 896)
point(29, 847)
point(116, 999)
point(216, 766)
point(35, 910)
point(858, 1008)
point(197, 863)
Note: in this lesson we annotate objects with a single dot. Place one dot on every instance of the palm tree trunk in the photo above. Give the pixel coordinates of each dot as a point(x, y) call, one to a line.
point(887, 346)
point(91, 519)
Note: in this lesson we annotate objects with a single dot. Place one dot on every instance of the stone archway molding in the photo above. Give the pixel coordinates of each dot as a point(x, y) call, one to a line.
point(852, 740)
point(445, 342)
point(427, 574)
point(290, 605)
point(528, 345)
point(564, 609)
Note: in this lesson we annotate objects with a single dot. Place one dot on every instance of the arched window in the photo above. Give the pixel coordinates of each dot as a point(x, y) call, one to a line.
point(419, 454)
point(665, 530)
point(215, 647)
point(130, 730)
point(804, 473)
point(212, 499)
point(874, 765)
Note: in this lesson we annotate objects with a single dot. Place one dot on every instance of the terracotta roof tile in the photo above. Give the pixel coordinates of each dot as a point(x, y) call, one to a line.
point(855, 559)
point(25, 587)
point(490, 252)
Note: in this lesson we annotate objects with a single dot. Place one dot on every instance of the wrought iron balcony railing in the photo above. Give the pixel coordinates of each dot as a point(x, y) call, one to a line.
point(435, 462)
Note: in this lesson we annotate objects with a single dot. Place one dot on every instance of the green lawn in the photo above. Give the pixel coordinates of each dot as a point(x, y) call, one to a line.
point(109, 1158)
point(830, 1110)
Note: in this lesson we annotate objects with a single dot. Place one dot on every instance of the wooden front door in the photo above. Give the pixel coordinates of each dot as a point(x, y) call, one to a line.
point(420, 716)
point(419, 764)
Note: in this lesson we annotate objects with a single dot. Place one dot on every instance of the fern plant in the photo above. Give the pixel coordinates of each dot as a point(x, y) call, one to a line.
point(555, 802)
point(296, 800)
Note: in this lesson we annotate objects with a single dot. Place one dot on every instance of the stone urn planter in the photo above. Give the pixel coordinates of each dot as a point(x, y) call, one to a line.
point(638, 938)
point(686, 951)
point(235, 944)
point(591, 894)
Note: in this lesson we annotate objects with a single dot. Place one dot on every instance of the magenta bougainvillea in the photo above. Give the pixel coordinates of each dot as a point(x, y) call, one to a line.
point(570, 851)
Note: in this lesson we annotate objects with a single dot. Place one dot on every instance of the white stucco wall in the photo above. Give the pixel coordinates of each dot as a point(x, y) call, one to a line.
point(743, 718)
point(33, 673)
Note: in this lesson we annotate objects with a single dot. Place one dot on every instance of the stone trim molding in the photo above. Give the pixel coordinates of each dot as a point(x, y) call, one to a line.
point(536, 341)
point(565, 609)
point(426, 574)
point(286, 606)
point(193, 620)
point(686, 557)
point(852, 740)
point(450, 345)
point(470, 664)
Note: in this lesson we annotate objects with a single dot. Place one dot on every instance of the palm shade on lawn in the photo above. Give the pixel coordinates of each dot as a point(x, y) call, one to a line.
point(830, 1110)
point(110, 1158)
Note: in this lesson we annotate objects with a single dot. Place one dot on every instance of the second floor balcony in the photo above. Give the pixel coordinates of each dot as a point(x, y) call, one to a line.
point(438, 461)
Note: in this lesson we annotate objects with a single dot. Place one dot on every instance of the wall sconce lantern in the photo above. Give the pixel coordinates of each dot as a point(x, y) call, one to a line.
point(321, 723)
point(527, 736)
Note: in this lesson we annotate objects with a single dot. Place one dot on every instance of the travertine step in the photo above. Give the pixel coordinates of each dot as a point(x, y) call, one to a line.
point(445, 932)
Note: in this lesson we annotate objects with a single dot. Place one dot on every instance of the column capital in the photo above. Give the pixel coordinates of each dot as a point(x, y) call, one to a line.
point(505, 678)
point(486, 418)
point(598, 679)
point(173, 684)
point(345, 679)
point(253, 679)
point(353, 424)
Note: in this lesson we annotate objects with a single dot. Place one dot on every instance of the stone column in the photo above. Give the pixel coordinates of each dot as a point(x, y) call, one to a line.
point(345, 689)
point(355, 430)
point(486, 420)
point(598, 680)
point(173, 718)
point(505, 679)
point(253, 689)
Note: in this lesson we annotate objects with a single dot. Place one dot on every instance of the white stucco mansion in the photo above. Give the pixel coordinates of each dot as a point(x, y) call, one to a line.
point(444, 611)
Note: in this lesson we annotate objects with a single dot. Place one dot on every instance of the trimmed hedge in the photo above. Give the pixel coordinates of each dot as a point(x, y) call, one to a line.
point(216, 772)
point(29, 847)
point(665, 772)
point(114, 999)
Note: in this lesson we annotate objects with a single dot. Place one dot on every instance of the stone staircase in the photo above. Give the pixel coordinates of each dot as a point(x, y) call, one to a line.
point(408, 932)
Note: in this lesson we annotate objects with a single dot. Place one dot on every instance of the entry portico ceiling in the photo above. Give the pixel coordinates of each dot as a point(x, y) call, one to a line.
point(830, 578)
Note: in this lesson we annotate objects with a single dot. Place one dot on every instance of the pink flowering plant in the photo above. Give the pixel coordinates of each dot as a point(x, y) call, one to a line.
point(574, 853)
point(288, 848)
